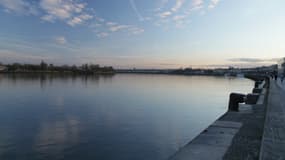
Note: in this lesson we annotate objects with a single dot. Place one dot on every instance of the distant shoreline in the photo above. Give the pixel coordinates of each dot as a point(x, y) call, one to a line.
point(55, 72)
point(43, 67)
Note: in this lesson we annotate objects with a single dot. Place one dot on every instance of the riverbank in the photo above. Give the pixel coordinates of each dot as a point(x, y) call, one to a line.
point(50, 68)
point(59, 72)
point(237, 134)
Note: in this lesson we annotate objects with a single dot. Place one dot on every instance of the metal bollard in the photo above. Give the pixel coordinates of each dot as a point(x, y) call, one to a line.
point(256, 90)
point(257, 83)
point(235, 99)
point(251, 98)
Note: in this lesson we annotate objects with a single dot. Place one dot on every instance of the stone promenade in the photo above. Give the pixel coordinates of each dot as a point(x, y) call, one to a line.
point(273, 141)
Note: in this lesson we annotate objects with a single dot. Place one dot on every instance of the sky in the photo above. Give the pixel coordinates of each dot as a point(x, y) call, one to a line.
point(143, 33)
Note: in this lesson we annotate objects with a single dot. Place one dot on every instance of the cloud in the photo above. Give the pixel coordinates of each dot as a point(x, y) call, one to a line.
point(79, 19)
point(197, 4)
point(102, 34)
point(248, 60)
point(60, 40)
point(19, 7)
point(48, 18)
point(95, 25)
point(253, 60)
point(99, 19)
point(165, 14)
point(236, 65)
point(136, 30)
point(181, 20)
point(161, 5)
point(213, 4)
point(175, 8)
point(179, 17)
point(116, 28)
point(134, 7)
point(68, 11)
point(111, 24)
point(178, 5)
point(106, 29)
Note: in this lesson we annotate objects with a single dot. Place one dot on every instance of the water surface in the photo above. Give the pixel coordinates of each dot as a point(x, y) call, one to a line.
point(125, 116)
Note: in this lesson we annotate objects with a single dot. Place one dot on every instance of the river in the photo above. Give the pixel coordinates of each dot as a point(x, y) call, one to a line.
point(113, 117)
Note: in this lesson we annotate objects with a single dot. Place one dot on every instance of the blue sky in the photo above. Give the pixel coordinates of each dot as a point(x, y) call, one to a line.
point(143, 33)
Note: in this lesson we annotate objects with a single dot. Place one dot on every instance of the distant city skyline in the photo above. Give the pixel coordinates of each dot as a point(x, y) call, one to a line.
point(143, 33)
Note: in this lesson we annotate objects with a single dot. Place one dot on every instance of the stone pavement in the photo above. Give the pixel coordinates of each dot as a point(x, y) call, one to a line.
point(280, 84)
point(273, 141)
point(210, 144)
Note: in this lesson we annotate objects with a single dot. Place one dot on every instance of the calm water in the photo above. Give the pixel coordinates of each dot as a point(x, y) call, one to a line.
point(125, 117)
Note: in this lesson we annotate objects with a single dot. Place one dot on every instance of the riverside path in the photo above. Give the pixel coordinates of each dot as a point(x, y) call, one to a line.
point(273, 141)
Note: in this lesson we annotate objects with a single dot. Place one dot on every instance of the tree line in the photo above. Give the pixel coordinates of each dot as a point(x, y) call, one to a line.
point(45, 67)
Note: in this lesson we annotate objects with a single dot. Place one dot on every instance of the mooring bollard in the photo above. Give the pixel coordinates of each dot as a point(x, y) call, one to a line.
point(251, 98)
point(257, 83)
point(257, 90)
point(235, 99)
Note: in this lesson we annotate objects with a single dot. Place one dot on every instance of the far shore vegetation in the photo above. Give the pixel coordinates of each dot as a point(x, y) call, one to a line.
point(44, 67)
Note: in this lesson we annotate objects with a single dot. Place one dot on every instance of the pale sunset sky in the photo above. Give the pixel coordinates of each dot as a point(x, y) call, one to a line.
point(143, 33)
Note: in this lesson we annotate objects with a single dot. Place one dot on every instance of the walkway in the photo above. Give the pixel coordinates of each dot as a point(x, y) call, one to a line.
point(273, 142)
point(281, 84)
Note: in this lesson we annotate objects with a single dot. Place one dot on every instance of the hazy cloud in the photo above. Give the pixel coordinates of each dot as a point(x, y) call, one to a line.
point(95, 25)
point(79, 19)
point(102, 34)
point(197, 4)
point(69, 11)
point(180, 13)
point(165, 14)
point(253, 60)
point(178, 5)
point(99, 19)
point(213, 3)
point(19, 7)
point(48, 18)
point(111, 24)
point(60, 40)
point(236, 65)
point(116, 28)
point(179, 17)
point(175, 8)
point(161, 5)
point(134, 7)
point(136, 30)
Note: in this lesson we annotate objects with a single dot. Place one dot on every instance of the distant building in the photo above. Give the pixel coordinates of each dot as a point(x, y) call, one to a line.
point(281, 66)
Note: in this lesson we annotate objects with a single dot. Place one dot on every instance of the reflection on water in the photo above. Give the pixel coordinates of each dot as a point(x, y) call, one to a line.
point(55, 136)
point(47, 79)
point(57, 116)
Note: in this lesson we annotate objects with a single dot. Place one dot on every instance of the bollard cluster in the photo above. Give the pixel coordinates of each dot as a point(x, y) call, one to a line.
point(251, 98)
